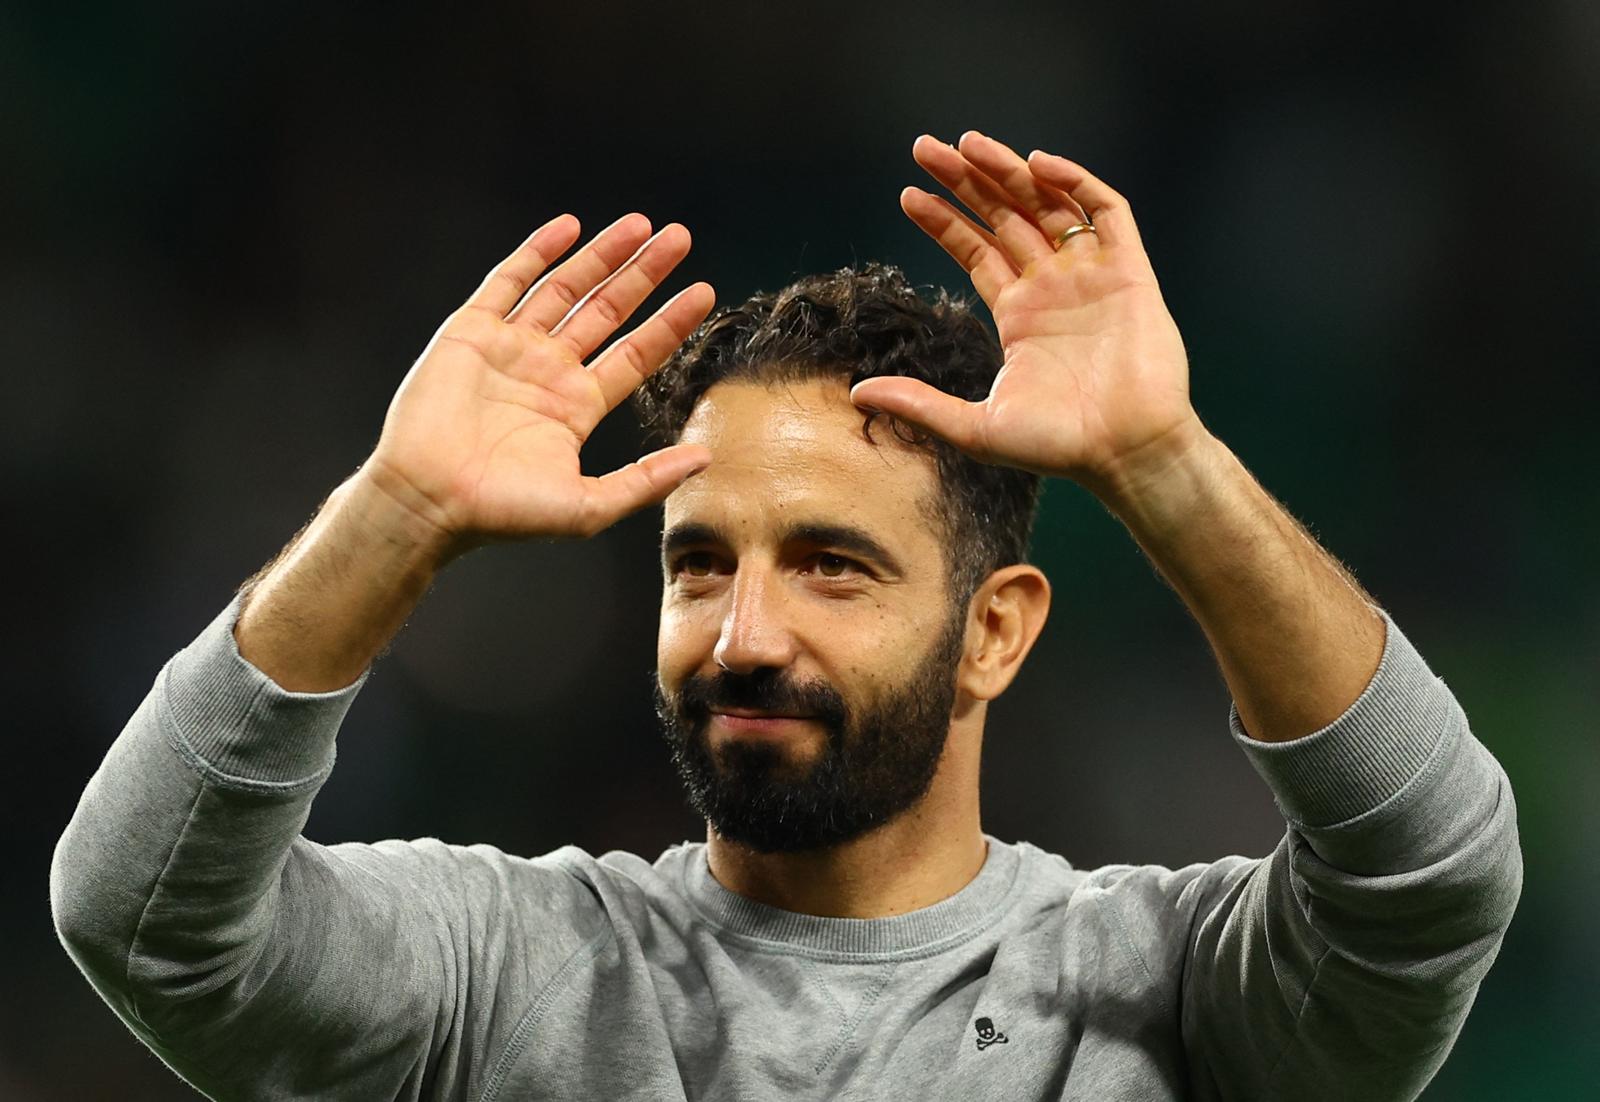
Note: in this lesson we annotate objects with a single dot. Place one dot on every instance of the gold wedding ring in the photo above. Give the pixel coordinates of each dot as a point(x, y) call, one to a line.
point(1081, 227)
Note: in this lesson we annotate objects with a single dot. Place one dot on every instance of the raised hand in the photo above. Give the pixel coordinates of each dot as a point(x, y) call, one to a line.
point(482, 439)
point(1095, 378)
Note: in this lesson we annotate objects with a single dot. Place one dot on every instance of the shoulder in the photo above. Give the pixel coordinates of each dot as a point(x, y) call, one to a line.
point(482, 886)
point(1161, 887)
point(1126, 887)
point(1122, 930)
point(1143, 907)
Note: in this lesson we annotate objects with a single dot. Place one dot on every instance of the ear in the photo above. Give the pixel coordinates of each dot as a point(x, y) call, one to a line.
point(1006, 615)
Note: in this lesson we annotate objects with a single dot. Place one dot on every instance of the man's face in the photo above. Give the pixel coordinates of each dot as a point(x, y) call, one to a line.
point(773, 603)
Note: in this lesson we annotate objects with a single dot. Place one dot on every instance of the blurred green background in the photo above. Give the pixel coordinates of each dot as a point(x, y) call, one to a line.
point(227, 231)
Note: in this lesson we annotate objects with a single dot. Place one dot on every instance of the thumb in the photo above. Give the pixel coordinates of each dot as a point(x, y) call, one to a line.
point(916, 403)
point(645, 481)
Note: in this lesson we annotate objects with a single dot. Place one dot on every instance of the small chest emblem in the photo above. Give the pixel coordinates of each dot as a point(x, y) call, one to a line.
point(988, 1034)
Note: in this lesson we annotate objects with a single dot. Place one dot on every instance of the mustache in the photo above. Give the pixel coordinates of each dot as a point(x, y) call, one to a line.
point(765, 691)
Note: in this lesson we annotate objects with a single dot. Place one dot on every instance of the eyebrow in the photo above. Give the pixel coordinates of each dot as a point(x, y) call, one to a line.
point(846, 537)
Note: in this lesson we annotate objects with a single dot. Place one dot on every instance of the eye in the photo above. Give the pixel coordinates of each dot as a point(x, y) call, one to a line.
point(835, 566)
point(692, 564)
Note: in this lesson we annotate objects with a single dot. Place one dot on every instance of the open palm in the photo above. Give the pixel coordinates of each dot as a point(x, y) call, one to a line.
point(483, 437)
point(1094, 369)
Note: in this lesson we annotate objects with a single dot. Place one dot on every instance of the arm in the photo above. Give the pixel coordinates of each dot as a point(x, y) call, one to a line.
point(480, 443)
point(1350, 955)
point(1296, 638)
point(1344, 964)
point(1095, 388)
point(253, 961)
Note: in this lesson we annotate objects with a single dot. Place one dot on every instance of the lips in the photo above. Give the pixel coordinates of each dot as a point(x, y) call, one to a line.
point(752, 713)
point(754, 724)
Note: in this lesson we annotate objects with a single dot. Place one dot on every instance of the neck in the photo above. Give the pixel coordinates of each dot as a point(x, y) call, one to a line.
point(927, 854)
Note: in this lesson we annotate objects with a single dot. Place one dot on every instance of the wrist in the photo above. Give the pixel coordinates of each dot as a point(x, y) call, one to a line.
point(319, 614)
point(1161, 479)
point(382, 513)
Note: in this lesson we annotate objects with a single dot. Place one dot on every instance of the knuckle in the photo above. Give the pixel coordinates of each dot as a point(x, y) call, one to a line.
point(536, 251)
point(564, 291)
point(634, 358)
point(607, 310)
point(590, 521)
point(574, 347)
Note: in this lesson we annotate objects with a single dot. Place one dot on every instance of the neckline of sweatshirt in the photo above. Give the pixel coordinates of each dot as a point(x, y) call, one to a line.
point(921, 932)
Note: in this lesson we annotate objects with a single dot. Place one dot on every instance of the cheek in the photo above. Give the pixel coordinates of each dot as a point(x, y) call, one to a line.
point(682, 641)
point(871, 651)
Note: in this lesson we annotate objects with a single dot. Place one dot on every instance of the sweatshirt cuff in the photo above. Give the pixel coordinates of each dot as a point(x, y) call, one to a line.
point(239, 727)
point(1367, 755)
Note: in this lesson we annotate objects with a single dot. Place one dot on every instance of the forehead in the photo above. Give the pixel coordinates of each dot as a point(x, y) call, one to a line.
point(795, 452)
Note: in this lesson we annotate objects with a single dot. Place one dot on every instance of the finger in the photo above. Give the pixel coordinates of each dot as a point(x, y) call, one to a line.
point(1113, 221)
point(971, 246)
point(1024, 242)
point(1051, 209)
point(631, 360)
point(557, 293)
point(610, 304)
point(916, 403)
point(645, 481)
point(509, 279)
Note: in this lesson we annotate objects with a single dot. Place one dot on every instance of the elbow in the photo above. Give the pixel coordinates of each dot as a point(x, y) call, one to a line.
point(1472, 894)
point(1472, 929)
point(92, 922)
point(1502, 863)
point(1433, 931)
point(1490, 889)
point(70, 912)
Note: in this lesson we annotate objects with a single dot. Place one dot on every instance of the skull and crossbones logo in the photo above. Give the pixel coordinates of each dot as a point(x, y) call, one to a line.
point(988, 1034)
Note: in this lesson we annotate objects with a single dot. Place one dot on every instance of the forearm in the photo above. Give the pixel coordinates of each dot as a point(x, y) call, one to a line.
point(183, 890)
point(180, 835)
point(220, 759)
point(1297, 640)
point(316, 616)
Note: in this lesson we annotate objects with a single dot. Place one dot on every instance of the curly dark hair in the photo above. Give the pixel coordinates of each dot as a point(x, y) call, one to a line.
point(855, 324)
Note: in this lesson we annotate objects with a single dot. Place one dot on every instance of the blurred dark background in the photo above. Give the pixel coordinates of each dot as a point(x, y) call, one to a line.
point(227, 230)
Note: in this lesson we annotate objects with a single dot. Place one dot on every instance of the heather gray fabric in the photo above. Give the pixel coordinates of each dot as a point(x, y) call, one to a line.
point(259, 964)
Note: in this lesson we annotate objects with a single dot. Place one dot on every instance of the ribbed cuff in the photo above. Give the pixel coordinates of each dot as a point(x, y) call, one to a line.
point(1368, 754)
point(239, 726)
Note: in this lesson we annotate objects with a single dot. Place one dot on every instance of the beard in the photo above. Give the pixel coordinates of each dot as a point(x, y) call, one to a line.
point(878, 760)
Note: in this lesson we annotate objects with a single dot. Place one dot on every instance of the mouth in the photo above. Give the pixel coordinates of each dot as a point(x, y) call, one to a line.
point(756, 713)
point(754, 722)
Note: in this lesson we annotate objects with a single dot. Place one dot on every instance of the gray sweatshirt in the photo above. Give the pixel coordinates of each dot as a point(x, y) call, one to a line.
point(260, 964)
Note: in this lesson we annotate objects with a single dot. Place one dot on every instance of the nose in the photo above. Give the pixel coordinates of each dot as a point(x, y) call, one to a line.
point(754, 630)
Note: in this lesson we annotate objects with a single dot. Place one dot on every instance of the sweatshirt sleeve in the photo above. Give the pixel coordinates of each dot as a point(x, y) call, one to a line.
point(1344, 964)
point(259, 964)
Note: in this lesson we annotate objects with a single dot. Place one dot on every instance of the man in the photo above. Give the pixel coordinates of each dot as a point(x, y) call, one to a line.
point(838, 608)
